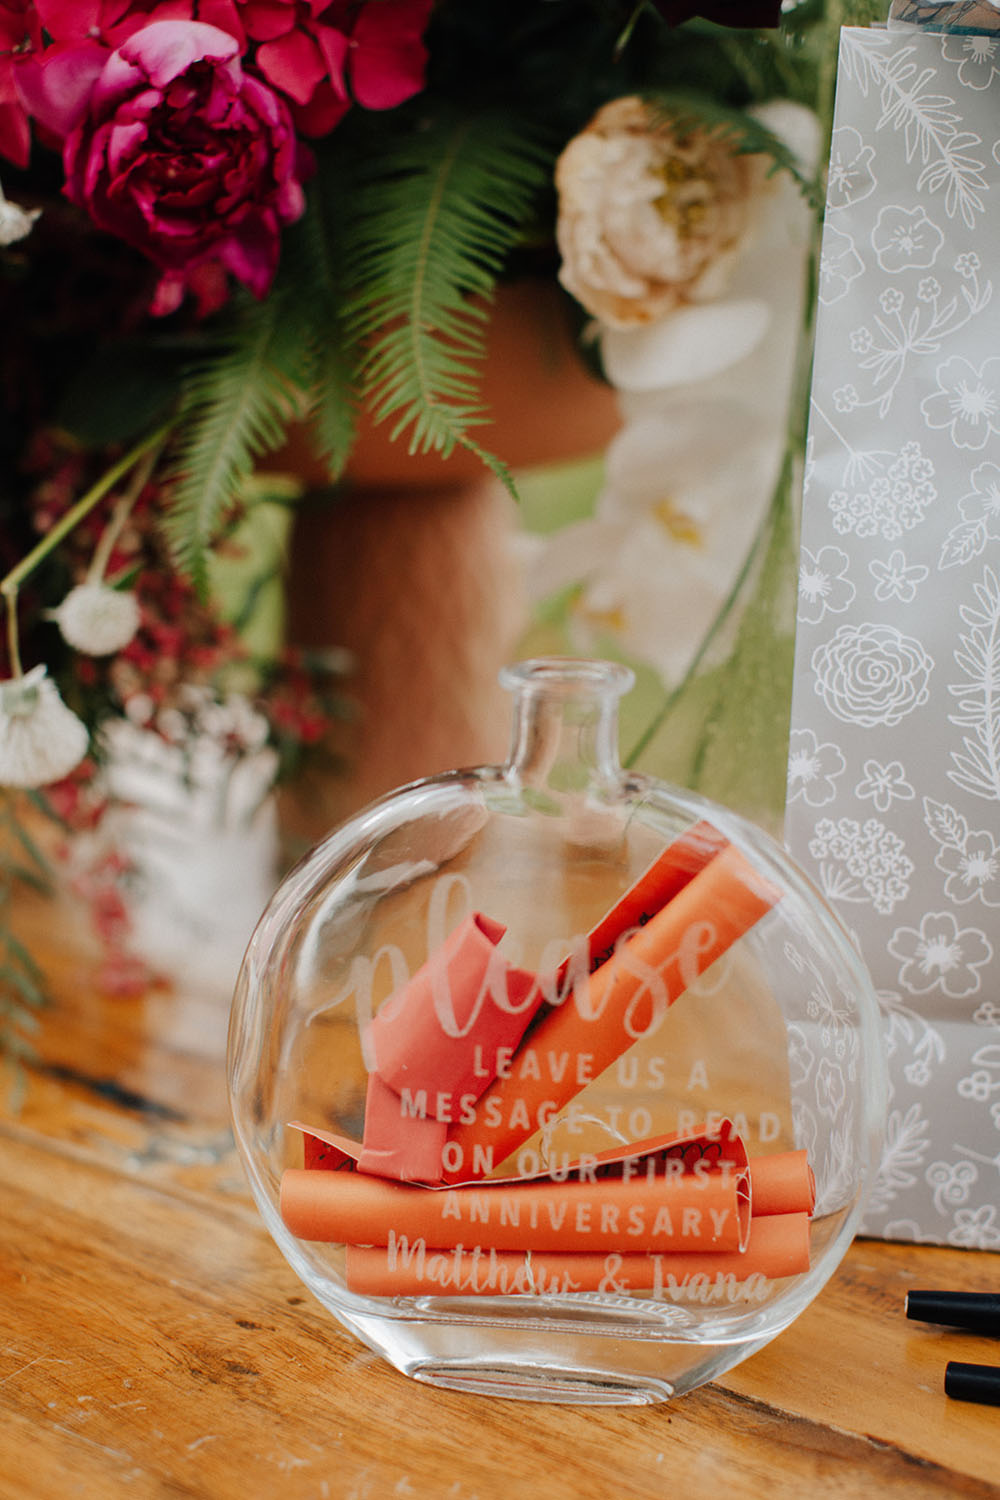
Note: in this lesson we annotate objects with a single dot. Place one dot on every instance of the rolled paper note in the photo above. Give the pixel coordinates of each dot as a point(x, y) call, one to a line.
point(466, 1003)
point(446, 1035)
point(782, 1184)
point(667, 875)
point(713, 1146)
point(623, 1000)
point(673, 1211)
point(778, 1246)
point(397, 1144)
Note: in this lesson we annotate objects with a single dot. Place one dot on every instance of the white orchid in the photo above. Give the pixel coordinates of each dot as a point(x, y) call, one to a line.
point(669, 533)
point(704, 386)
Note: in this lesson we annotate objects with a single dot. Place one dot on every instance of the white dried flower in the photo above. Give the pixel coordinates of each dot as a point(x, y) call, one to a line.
point(41, 740)
point(96, 619)
point(650, 217)
point(15, 222)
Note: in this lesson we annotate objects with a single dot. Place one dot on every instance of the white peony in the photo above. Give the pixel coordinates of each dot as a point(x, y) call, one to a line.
point(650, 218)
point(96, 619)
point(41, 740)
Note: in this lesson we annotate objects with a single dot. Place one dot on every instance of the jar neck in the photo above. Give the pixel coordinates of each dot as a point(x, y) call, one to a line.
point(564, 738)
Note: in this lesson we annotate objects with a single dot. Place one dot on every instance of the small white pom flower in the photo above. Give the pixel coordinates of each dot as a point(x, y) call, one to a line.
point(15, 222)
point(96, 619)
point(41, 740)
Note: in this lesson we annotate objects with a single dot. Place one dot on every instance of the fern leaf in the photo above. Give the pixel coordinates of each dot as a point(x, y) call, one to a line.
point(315, 277)
point(688, 111)
point(425, 239)
point(236, 406)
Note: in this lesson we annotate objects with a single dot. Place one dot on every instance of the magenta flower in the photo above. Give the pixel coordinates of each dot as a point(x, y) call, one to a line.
point(20, 35)
point(112, 22)
point(174, 148)
point(324, 55)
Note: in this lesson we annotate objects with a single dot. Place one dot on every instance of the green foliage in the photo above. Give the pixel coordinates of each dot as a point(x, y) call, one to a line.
point(22, 984)
point(314, 273)
point(235, 407)
point(686, 112)
point(432, 224)
point(382, 299)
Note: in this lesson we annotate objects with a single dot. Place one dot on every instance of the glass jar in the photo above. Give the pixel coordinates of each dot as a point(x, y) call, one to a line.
point(553, 1081)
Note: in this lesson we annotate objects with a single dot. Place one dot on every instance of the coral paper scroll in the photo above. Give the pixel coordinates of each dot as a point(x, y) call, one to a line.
point(423, 1203)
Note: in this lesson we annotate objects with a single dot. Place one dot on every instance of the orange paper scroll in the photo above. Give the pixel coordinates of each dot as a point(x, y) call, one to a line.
point(466, 999)
point(666, 876)
point(778, 1246)
point(670, 1211)
point(782, 1184)
point(445, 1037)
point(624, 999)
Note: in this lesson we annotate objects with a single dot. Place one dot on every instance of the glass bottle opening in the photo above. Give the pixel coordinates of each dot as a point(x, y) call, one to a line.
point(564, 732)
point(568, 676)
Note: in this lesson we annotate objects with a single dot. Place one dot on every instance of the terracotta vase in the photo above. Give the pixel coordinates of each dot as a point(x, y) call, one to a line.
point(410, 566)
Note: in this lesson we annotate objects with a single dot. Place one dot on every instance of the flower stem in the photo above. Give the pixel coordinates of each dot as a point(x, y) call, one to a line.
point(122, 511)
point(149, 448)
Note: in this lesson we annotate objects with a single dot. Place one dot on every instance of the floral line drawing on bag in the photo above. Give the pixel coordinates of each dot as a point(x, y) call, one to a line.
point(850, 178)
point(872, 674)
point(922, 331)
point(824, 587)
point(895, 501)
point(896, 578)
point(861, 464)
point(929, 120)
point(969, 857)
point(976, 1229)
point(906, 239)
point(940, 955)
point(966, 402)
point(839, 265)
point(976, 53)
point(884, 784)
point(861, 862)
point(905, 469)
point(980, 523)
point(907, 1031)
point(836, 1033)
point(813, 768)
point(977, 768)
point(952, 1183)
point(907, 1143)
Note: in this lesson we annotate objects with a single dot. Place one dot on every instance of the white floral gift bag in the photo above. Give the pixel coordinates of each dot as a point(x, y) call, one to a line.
point(894, 775)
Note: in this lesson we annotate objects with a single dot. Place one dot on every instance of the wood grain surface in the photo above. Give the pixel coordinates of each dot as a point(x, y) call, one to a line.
point(154, 1343)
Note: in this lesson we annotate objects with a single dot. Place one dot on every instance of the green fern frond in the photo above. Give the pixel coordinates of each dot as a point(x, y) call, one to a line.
point(426, 238)
point(686, 111)
point(315, 277)
point(236, 406)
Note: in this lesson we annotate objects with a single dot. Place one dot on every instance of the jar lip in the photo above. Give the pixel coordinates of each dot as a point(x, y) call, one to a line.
point(568, 675)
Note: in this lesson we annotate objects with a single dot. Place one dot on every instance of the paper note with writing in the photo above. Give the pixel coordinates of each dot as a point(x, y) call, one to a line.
point(894, 773)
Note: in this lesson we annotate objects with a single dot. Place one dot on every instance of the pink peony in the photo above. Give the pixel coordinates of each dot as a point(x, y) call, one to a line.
point(172, 147)
point(113, 21)
point(20, 35)
point(326, 54)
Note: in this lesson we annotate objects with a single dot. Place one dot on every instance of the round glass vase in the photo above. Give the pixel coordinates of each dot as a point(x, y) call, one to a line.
point(553, 1081)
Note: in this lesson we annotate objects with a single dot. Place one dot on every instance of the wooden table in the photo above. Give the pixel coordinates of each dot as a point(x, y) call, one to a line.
point(154, 1343)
